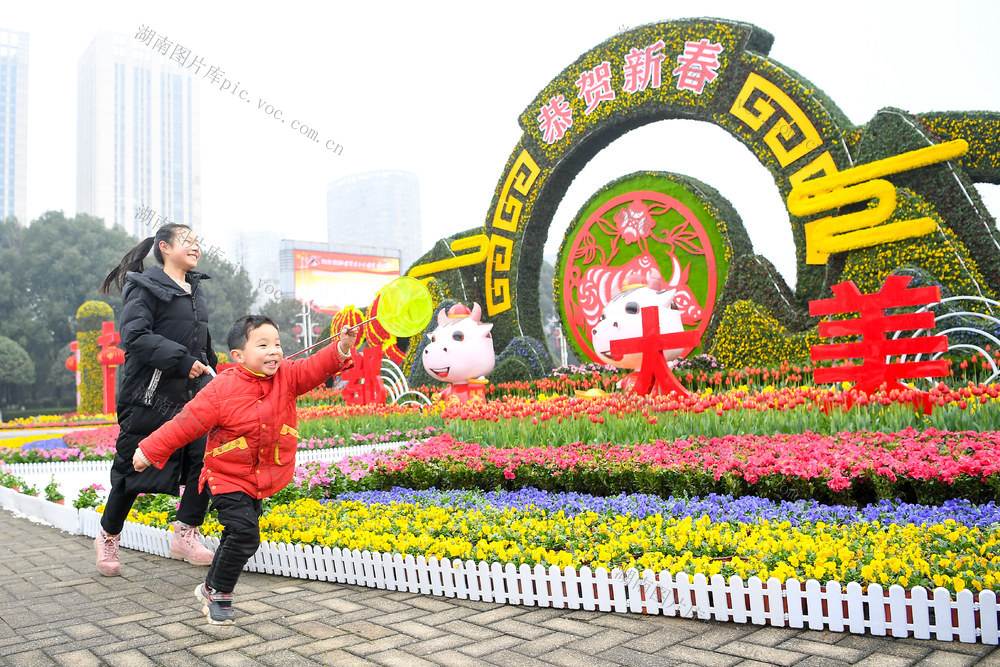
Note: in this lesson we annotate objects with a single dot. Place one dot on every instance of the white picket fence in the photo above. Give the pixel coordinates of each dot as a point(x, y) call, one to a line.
point(899, 612)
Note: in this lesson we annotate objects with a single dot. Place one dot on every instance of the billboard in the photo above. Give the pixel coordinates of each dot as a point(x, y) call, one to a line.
point(332, 280)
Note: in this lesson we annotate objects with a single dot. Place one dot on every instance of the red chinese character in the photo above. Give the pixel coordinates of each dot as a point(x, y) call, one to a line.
point(556, 117)
point(872, 325)
point(654, 374)
point(697, 65)
point(642, 68)
point(595, 86)
point(364, 381)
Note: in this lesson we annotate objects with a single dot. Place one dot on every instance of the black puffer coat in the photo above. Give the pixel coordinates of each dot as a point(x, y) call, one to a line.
point(164, 330)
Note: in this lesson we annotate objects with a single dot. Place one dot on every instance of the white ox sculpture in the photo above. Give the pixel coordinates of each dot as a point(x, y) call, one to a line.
point(460, 352)
point(622, 318)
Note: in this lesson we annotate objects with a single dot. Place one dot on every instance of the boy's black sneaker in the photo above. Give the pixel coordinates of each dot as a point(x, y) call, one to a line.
point(217, 607)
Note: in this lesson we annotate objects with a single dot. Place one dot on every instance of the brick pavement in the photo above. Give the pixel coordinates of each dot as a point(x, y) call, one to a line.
point(56, 610)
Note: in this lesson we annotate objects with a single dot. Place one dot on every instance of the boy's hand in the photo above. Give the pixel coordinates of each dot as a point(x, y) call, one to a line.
point(348, 335)
point(139, 460)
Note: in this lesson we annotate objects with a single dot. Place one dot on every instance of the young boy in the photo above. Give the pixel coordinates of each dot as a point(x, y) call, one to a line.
point(248, 413)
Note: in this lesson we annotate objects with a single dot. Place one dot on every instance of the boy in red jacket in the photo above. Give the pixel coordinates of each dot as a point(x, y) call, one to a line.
point(248, 413)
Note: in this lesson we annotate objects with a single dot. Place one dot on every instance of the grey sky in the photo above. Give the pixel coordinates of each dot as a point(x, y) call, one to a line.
point(436, 88)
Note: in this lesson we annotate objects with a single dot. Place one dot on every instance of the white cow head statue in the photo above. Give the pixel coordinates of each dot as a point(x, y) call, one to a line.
point(461, 347)
point(622, 318)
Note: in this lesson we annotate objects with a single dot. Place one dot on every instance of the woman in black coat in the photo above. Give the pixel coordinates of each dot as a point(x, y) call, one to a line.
point(168, 359)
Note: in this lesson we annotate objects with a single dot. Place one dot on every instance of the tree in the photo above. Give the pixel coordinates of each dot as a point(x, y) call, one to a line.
point(51, 267)
point(17, 319)
point(46, 271)
point(230, 295)
point(16, 371)
point(286, 313)
point(62, 381)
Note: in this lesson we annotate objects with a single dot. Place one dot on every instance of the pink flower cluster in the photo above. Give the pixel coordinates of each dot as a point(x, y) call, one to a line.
point(96, 441)
point(322, 473)
point(835, 459)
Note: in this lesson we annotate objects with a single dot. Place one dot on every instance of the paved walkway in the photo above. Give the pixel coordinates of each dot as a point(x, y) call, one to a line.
point(56, 610)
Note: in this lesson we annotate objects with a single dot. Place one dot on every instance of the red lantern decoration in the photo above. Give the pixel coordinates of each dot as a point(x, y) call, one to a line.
point(374, 332)
point(394, 354)
point(71, 362)
point(110, 357)
point(350, 317)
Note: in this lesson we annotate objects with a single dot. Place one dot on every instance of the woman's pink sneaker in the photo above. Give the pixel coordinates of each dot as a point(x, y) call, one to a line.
point(107, 554)
point(184, 545)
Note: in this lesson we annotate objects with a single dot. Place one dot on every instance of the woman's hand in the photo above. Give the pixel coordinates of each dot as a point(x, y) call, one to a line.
point(197, 369)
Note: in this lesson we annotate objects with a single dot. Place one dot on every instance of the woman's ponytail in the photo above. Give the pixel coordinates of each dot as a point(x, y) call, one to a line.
point(132, 261)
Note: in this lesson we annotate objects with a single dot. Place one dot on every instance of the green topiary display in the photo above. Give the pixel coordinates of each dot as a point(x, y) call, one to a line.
point(748, 335)
point(824, 167)
point(89, 318)
point(523, 358)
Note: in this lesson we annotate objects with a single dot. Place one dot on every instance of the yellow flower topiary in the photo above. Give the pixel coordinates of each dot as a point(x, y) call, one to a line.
point(749, 335)
point(89, 318)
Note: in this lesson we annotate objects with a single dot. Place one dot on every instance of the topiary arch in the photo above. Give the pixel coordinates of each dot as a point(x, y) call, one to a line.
point(717, 71)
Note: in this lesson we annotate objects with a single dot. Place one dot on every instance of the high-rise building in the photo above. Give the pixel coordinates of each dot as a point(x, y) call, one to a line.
point(137, 135)
point(378, 208)
point(13, 124)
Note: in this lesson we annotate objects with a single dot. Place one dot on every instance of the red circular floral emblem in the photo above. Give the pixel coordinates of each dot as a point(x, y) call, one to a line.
point(649, 234)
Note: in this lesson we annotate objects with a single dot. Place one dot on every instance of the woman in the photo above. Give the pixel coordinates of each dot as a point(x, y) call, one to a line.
point(168, 359)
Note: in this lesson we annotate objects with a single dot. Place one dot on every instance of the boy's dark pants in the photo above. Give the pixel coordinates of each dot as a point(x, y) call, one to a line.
point(239, 515)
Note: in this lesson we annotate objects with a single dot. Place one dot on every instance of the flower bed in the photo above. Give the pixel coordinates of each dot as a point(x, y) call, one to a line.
point(954, 546)
point(854, 468)
point(35, 441)
point(98, 444)
point(698, 373)
point(606, 503)
point(56, 421)
point(629, 418)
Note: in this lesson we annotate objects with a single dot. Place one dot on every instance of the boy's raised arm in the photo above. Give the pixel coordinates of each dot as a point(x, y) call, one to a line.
point(195, 420)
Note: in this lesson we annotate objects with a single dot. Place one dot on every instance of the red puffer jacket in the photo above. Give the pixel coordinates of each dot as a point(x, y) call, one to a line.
point(250, 420)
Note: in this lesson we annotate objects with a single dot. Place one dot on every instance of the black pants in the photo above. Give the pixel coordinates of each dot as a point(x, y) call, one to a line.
point(239, 515)
point(120, 500)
